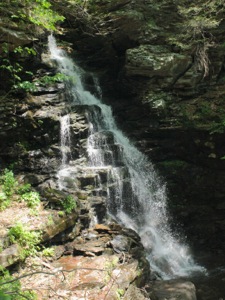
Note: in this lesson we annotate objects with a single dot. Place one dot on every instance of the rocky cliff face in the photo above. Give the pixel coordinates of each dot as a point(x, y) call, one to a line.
point(170, 106)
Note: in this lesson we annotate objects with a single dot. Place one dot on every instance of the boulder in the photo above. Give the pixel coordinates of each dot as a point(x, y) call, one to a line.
point(156, 61)
point(172, 290)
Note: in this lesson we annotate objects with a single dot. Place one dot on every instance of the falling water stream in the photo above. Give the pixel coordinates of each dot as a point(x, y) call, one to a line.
point(136, 197)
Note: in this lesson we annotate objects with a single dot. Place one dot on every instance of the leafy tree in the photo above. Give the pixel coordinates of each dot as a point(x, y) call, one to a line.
point(37, 12)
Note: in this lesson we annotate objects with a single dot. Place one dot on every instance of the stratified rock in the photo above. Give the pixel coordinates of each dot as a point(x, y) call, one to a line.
point(14, 36)
point(156, 61)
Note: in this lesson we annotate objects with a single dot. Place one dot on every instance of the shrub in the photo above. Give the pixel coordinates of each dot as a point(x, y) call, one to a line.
point(68, 204)
point(22, 189)
point(48, 252)
point(4, 201)
point(28, 240)
point(32, 199)
point(8, 187)
point(9, 182)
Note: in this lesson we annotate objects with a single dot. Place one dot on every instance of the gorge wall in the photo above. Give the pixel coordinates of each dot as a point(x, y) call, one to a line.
point(164, 78)
point(165, 82)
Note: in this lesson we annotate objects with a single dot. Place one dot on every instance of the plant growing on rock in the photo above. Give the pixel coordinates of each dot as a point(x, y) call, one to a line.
point(14, 69)
point(48, 252)
point(27, 240)
point(9, 183)
point(69, 204)
point(31, 198)
point(4, 201)
point(41, 14)
point(24, 188)
point(32, 12)
point(11, 190)
point(50, 80)
point(34, 16)
point(120, 293)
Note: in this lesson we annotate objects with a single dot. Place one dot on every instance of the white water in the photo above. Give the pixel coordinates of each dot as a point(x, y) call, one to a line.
point(136, 195)
point(65, 139)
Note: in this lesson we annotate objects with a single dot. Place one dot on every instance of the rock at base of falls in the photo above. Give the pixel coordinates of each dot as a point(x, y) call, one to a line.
point(173, 290)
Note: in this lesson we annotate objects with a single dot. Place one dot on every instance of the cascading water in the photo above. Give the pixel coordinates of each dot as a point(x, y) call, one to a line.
point(65, 147)
point(136, 195)
point(65, 139)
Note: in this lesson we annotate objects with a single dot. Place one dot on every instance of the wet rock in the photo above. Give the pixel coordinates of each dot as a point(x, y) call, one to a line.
point(121, 243)
point(98, 205)
point(173, 290)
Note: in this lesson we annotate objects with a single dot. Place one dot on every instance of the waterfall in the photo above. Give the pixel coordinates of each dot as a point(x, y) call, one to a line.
point(65, 139)
point(65, 148)
point(136, 195)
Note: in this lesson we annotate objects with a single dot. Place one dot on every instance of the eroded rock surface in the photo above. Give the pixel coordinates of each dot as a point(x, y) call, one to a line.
point(90, 268)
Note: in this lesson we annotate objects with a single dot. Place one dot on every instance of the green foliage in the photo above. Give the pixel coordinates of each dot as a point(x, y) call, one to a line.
point(41, 14)
point(37, 12)
point(120, 293)
point(25, 86)
point(48, 252)
point(24, 50)
point(4, 201)
point(9, 182)
point(218, 127)
point(31, 198)
point(37, 15)
point(49, 80)
point(28, 240)
point(24, 188)
point(68, 204)
point(14, 69)
point(10, 188)
point(61, 213)
point(10, 288)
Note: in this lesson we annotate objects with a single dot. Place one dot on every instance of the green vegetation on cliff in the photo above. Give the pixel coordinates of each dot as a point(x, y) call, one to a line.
point(27, 12)
point(21, 22)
